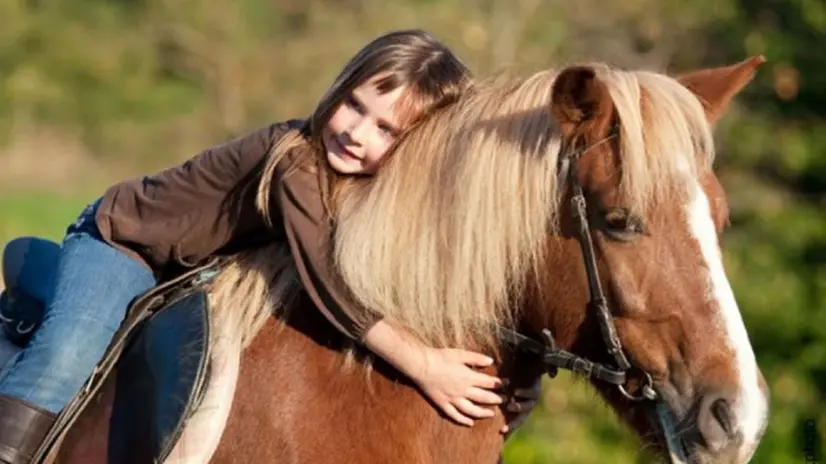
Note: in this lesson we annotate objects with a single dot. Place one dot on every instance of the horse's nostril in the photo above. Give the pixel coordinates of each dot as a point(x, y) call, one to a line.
point(716, 422)
point(722, 412)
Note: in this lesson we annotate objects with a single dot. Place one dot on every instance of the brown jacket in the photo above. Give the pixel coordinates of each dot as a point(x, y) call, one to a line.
point(206, 206)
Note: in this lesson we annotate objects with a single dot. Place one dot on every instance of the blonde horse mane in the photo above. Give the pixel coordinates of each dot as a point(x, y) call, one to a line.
point(443, 239)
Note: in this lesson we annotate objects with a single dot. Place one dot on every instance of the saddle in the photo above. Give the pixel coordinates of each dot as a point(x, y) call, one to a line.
point(161, 354)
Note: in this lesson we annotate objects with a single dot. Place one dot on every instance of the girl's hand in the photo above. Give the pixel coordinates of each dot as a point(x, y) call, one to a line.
point(446, 376)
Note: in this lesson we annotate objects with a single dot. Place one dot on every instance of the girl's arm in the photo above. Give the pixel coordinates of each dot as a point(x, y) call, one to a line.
point(445, 375)
point(185, 213)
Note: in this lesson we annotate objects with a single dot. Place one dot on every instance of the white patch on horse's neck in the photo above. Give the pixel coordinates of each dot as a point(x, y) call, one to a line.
point(751, 408)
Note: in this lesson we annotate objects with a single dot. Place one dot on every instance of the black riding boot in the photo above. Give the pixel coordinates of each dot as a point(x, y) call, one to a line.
point(22, 429)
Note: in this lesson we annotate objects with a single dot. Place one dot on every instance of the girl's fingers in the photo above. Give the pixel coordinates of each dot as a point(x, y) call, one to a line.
point(466, 407)
point(454, 414)
point(485, 381)
point(472, 358)
point(481, 396)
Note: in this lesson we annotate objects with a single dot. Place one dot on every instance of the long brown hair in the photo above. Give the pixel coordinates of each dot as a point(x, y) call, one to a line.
point(433, 76)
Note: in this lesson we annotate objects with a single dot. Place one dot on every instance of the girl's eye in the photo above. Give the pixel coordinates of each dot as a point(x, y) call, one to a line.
point(388, 131)
point(352, 103)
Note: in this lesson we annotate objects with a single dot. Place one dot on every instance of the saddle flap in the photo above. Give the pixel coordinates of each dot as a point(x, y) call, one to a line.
point(159, 381)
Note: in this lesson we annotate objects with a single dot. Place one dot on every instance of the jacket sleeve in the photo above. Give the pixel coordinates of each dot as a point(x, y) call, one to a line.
point(186, 212)
point(308, 233)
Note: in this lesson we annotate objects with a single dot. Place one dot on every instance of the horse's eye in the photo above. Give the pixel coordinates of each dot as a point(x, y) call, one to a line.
point(622, 226)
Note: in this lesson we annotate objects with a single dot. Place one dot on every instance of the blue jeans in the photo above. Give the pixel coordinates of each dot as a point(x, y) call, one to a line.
point(93, 284)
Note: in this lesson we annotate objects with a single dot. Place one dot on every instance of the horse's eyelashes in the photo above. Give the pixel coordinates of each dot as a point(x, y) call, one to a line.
point(621, 225)
point(617, 218)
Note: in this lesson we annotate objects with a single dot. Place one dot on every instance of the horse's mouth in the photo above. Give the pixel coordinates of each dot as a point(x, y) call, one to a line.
point(677, 451)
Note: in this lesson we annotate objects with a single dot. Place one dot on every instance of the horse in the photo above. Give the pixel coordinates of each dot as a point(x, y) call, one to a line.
point(569, 219)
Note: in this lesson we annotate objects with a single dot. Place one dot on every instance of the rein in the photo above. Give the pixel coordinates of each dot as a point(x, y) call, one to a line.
point(556, 358)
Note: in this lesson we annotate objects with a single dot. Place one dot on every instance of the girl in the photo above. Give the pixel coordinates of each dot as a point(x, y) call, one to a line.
point(145, 230)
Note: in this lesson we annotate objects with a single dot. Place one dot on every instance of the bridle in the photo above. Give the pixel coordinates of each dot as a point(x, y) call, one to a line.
point(555, 358)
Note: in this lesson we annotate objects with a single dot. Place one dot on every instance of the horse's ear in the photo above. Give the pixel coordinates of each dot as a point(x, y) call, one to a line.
point(715, 87)
point(578, 96)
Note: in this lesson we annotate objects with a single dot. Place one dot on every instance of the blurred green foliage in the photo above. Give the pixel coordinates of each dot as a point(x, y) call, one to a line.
point(94, 90)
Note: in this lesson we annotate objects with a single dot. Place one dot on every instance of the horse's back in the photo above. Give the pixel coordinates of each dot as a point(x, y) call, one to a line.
point(300, 401)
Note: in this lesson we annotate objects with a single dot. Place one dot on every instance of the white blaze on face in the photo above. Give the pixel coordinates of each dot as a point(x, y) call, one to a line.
point(751, 406)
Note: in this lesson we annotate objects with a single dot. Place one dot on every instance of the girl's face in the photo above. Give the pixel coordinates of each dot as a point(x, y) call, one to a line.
point(362, 129)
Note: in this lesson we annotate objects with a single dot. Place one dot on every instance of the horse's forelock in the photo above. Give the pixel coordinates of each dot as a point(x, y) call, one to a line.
point(666, 140)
